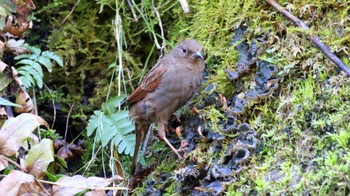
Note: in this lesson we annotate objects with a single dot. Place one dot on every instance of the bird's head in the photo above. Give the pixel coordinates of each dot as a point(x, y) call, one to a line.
point(189, 49)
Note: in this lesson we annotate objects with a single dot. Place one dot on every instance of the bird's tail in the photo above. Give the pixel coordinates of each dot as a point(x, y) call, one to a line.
point(141, 131)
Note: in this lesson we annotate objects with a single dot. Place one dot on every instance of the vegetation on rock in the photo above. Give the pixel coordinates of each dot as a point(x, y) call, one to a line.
point(245, 138)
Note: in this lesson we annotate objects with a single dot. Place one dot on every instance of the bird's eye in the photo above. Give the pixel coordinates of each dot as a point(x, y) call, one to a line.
point(184, 50)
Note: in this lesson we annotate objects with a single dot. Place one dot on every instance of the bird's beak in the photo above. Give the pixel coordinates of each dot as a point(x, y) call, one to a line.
point(198, 55)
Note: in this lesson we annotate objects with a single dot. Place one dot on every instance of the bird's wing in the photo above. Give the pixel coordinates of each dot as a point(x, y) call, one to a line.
point(150, 82)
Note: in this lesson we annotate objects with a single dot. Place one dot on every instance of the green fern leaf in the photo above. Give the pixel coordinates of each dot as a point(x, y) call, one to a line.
point(112, 104)
point(32, 64)
point(25, 70)
point(46, 62)
point(54, 57)
point(8, 103)
point(34, 50)
point(27, 79)
point(103, 127)
point(110, 124)
point(106, 130)
point(125, 143)
point(26, 56)
point(93, 122)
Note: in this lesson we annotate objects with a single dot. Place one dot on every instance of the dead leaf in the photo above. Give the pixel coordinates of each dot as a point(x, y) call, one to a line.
point(3, 114)
point(3, 162)
point(2, 66)
point(65, 153)
point(15, 76)
point(72, 185)
point(16, 130)
point(68, 151)
point(39, 157)
point(16, 47)
point(23, 99)
point(19, 183)
point(2, 49)
point(95, 193)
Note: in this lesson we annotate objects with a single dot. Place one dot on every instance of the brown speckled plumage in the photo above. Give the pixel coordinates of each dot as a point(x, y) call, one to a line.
point(166, 87)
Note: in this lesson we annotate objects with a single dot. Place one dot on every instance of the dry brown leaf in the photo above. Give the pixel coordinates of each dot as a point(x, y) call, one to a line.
point(67, 185)
point(3, 162)
point(39, 157)
point(23, 99)
point(16, 131)
point(15, 76)
point(3, 114)
point(18, 183)
point(95, 193)
point(65, 153)
point(16, 47)
point(2, 49)
point(2, 65)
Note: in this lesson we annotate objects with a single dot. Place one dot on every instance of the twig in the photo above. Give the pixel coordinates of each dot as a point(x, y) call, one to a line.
point(185, 6)
point(83, 187)
point(54, 107)
point(133, 11)
point(72, 10)
point(314, 39)
point(42, 187)
point(161, 29)
point(14, 163)
point(67, 121)
point(118, 30)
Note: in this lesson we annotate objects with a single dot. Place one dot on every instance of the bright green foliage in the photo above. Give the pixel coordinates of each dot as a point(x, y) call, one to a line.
point(9, 103)
point(39, 157)
point(111, 124)
point(30, 70)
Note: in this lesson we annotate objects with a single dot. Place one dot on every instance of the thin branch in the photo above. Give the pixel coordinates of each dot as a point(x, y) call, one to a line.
point(133, 11)
point(54, 107)
point(70, 13)
point(314, 39)
point(14, 163)
point(185, 6)
point(161, 28)
point(42, 187)
point(83, 187)
point(67, 121)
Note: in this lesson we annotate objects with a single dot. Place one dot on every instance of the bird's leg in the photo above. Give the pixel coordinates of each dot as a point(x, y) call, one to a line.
point(184, 143)
point(161, 134)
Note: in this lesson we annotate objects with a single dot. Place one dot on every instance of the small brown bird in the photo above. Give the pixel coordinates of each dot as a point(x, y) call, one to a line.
point(166, 87)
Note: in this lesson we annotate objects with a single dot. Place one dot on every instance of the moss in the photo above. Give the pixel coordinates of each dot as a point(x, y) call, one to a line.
point(301, 124)
point(303, 127)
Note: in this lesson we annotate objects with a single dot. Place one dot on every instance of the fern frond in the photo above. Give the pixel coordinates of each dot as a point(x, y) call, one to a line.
point(110, 125)
point(46, 62)
point(33, 64)
point(26, 56)
point(27, 79)
point(34, 49)
point(28, 71)
point(54, 57)
point(5, 102)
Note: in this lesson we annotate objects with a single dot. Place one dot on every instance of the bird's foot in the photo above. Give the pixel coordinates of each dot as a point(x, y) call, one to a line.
point(184, 144)
point(178, 131)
